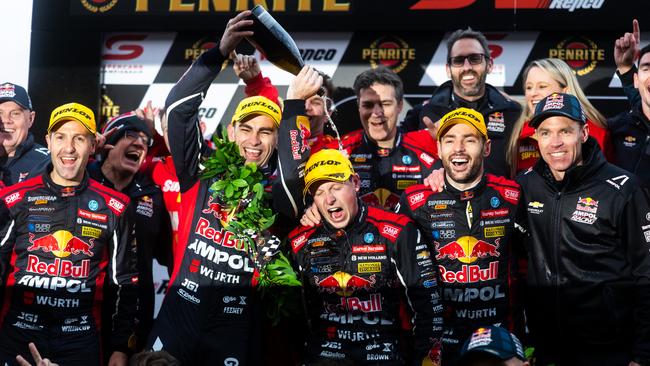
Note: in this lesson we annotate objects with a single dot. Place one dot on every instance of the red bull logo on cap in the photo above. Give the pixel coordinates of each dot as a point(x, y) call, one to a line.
point(467, 249)
point(345, 284)
point(61, 243)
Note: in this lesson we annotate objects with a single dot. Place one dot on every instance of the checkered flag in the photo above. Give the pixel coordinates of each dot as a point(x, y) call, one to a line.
point(267, 246)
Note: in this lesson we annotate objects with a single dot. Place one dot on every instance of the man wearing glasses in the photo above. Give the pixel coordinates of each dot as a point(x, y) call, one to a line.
point(128, 139)
point(20, 157)
point(468, 63)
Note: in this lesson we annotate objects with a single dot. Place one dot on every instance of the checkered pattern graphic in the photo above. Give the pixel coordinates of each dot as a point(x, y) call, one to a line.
point(138, 67)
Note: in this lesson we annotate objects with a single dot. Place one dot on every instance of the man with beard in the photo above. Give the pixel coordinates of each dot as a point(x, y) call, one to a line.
point(128, 139)
point(471, 228)
point(20, 157)
point(468, 63)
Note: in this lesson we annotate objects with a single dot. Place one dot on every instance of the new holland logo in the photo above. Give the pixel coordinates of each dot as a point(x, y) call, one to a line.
point(390, 51)
point(100, 6)
point(581, 53)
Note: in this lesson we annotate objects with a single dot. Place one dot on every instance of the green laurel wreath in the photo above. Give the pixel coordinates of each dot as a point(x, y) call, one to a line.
point(239, 190)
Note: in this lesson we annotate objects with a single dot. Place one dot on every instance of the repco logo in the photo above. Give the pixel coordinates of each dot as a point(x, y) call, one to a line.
point(321, 163)
point(569, 5)
point(320, 54)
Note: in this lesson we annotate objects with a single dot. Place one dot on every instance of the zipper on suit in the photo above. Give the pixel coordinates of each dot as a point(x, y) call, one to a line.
point(643, 148)
point(557, 218)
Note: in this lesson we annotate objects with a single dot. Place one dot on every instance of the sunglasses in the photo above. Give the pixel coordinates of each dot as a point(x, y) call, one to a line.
point(473, 58)
point(134, 135)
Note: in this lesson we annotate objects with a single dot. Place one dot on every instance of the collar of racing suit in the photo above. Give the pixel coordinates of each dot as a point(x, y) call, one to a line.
point(272, 165)
point(380, 150)
point(359, 218)
point(593, 159)
point(468, 193)
point(62, 191)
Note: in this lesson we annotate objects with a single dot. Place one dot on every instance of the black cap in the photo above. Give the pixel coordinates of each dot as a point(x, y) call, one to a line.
point(494, 341)
point(15, 93)
point(558, 104)
point(125, 122)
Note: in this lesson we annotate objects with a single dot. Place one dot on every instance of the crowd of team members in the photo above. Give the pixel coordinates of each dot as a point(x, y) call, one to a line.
point(414, 242)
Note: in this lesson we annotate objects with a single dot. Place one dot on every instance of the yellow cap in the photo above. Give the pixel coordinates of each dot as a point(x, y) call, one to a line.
point(257, 105)
point(327, 164)
point(463, 115)
point(73, 112)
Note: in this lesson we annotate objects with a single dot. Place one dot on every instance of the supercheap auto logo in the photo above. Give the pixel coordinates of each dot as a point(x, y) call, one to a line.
point(581, 53)
point(390, 51)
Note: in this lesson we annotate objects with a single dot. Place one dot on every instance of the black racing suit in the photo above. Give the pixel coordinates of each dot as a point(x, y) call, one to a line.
point(30, 160)
point(60, 246)
point(152, 233)
point(356, 281)
point(589, 263)
point(385, 173)
point(211, 313)
point(499, 111)
point(474, 239)
point(630, 136)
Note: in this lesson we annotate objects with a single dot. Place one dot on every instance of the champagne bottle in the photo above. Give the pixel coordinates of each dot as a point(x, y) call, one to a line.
point(274, 42)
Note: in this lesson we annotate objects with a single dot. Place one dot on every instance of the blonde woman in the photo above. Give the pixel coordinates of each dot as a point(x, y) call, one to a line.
point(541, 78)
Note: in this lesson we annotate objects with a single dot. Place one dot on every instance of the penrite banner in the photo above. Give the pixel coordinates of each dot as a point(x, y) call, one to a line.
point(345, 15)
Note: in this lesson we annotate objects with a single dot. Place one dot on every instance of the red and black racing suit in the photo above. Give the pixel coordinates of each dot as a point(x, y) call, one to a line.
point(355, 280)
point(59, 246)
point(473, 237)
point(210, 314)
point(385, 173)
